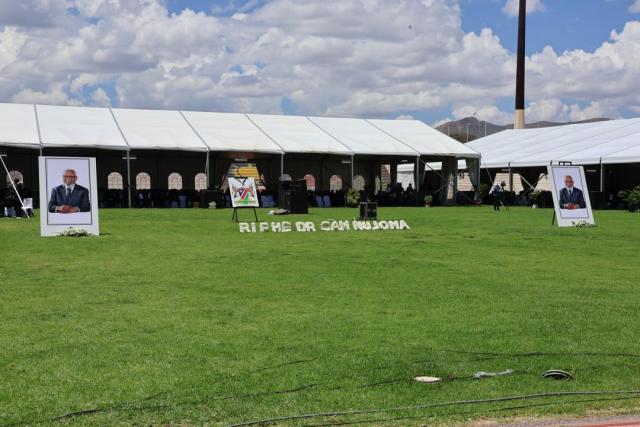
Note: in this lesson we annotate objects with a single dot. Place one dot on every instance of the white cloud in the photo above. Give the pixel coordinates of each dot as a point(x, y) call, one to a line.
point(54, 95)
point(405, 117)
point(635, 7)
point(100, 98)
point(512, 7)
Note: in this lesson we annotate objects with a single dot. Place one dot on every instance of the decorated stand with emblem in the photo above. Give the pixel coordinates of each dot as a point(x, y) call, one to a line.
point(243, 195)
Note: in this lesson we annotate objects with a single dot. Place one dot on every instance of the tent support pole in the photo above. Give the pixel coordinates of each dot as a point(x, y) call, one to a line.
point(352, 171)
point(417, 173)
point(129, 178)
point(510, 178)
point(322, 185)
point(281, 164)
point(206, 170)
point(603, 195)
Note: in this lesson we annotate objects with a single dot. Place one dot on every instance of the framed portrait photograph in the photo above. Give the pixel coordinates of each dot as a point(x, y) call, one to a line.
point(68, 194)
point(570, 195)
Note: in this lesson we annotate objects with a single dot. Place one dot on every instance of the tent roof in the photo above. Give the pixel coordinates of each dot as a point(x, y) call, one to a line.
point(362, 137)
point(78, 127)
point(298, 134)
point(424, 139)
point(18, 126)
point(230, 132)
point(613, 141)
point(36, 126)
point(157, 129)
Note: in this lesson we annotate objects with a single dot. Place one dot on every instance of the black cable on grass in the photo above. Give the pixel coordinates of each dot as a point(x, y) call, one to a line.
point(434, 405)
point(125, 405)
point(106, 409)
point(128, 405)
point(509, 408)
point(262, 393)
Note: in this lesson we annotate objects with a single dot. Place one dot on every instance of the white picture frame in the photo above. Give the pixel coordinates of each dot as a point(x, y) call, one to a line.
point(54, 217)
point(570, 207)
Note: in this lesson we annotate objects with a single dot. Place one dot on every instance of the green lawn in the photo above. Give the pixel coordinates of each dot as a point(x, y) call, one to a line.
point(174, 317)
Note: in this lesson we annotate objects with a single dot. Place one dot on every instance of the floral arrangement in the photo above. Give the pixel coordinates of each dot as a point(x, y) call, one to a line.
point(352, 197)
point(428, 200)
point(212, 205)
point(632, 198)
point(582, 224)
point(74, 232)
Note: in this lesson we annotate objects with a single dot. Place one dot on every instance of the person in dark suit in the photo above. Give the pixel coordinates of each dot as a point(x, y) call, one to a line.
point(69, 197)
point(496, 193)
point(570, 196)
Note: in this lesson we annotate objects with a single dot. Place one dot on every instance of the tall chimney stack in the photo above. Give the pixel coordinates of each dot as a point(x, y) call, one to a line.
point(522, 20)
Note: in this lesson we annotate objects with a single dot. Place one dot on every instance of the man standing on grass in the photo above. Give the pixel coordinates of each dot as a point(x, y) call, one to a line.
point(496, 193)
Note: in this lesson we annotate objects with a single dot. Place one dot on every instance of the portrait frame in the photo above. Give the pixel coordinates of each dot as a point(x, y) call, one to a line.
point(569, 216)
point(51, 169)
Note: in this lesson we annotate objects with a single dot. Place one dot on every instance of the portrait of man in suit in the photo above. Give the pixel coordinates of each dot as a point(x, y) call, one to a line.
point(571, 197)
point(69, 197)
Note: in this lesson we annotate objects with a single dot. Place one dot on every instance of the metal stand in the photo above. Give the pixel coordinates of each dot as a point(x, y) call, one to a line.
point(234, 216)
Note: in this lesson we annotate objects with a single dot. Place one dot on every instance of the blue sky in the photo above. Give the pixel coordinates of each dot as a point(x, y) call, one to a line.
point(564, 24)
point(434, 61)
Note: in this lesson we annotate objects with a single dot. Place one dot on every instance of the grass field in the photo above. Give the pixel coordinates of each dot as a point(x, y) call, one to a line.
point(174, 317)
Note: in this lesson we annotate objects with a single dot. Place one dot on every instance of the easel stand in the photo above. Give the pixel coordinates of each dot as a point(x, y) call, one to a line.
point(553, 220)
point(234, 217)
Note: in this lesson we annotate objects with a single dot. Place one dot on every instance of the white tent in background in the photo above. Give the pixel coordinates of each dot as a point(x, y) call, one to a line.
point(406, 175)
point(544, 183)
point(606, 142)
point(504, 177)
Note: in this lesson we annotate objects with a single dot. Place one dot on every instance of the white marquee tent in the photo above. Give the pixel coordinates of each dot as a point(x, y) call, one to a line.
point(607, 142)
point(43, 126)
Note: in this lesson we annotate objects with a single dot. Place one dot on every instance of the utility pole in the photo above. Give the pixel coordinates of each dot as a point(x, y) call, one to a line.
point(522, 19)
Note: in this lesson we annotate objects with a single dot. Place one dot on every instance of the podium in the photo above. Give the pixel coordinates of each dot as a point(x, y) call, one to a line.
point(293, 196)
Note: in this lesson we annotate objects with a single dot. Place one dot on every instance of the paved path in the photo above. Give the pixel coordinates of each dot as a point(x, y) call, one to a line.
point(624, 421)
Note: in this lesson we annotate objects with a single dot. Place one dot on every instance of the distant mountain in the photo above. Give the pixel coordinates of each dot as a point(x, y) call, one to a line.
point(458, 129)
